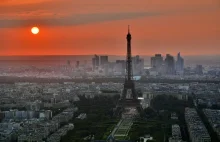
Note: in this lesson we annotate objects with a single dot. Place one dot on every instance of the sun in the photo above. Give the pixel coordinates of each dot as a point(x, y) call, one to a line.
point(35, 30)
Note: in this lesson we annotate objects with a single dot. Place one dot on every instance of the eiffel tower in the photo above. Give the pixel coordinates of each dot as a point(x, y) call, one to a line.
point(129, 98)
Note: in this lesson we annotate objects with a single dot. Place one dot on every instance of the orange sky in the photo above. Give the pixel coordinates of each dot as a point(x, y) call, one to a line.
point(68, 27)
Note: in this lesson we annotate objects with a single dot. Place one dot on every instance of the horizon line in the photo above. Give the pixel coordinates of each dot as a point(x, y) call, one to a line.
point(107, 55)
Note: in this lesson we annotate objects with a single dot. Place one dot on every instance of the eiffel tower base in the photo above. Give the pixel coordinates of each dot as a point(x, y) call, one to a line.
point(129, 108)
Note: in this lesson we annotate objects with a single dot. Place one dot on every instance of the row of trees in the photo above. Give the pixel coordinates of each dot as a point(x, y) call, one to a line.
point(157, 122)
point(99, 121)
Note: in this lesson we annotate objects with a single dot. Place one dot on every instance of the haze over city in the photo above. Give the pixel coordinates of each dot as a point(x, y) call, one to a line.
point(71, 27)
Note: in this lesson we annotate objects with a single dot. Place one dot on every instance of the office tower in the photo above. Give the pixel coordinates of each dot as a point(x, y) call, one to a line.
point(77, 64)
point(179, 63)
point(103, 60)
point(111, 66)
point(153, 62)
point(156, 61)
point(138, 65)
point(95, 62)
point(120, 66)
point(170, 64)
point(68, 62)
point(199, 69)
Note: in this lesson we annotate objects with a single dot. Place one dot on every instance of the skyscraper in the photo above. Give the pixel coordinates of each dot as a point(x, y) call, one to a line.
point(68, 62)
point(179, 64)
point(77, 64)
point(95, 62)
point(120, 66)
point(103, 60)
point(138, 65)
point(156, 61)
point(199, 69)
point(170, 64)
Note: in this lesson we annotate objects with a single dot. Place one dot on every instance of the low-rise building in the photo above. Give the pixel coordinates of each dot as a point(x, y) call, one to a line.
point(196, 128)
point(176, 134)
point(213, 117)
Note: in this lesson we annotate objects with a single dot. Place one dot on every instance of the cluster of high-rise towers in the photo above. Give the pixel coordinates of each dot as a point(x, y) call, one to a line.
point(168, 65)
point(119, 66)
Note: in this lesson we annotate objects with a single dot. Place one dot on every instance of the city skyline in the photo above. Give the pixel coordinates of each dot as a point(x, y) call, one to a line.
point(109, 71)
point(98, 27)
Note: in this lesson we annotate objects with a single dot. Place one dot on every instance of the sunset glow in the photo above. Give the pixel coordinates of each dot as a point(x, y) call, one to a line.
point(88, 27)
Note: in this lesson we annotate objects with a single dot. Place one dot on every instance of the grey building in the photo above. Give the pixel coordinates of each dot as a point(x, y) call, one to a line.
point(170, 64)
point(179, 63)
